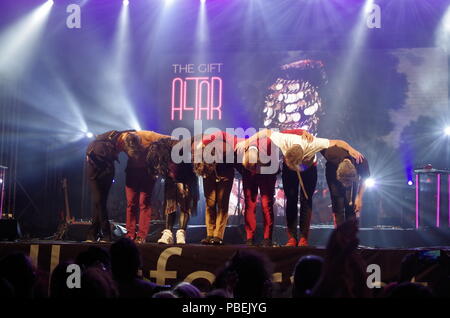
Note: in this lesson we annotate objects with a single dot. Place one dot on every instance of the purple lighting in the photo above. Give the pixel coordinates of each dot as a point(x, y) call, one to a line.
point(417, 201)
point(438, 201)
point(2, 188)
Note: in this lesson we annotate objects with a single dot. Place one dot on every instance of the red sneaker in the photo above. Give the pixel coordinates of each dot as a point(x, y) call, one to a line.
point(291, 242)
point(303, 242)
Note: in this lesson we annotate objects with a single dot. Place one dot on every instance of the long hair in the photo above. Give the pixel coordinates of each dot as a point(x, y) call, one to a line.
point(158, 156)
point(133, 146)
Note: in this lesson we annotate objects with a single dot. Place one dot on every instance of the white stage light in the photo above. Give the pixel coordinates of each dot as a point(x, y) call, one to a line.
point(410, 183)
point(370, 182)
point(126, 2)
point(89, 135)
point(447, 131)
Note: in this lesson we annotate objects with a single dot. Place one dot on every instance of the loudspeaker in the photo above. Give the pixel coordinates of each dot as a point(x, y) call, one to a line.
point(9, 230)
point(78, 230)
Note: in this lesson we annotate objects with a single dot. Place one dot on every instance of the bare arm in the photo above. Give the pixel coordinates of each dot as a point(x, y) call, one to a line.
point(241, 146)
point(359, 197)
point(352, 151)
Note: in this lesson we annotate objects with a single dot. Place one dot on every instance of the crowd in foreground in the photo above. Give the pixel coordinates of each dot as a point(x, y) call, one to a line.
point(115, 274)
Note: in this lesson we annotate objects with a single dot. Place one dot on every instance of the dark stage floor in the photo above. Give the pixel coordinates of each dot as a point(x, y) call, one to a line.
point(380, 236)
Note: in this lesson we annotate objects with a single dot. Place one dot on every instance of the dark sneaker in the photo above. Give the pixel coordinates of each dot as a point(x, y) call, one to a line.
point(216, 241)
point(266, 243)
point(250, 242)
point(207, 240)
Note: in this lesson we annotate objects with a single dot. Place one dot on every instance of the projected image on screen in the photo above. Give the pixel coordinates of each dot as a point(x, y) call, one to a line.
point(380, 101)
point(294, 100)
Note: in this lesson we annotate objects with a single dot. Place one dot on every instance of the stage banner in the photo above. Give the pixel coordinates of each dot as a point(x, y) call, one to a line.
point(168, 265)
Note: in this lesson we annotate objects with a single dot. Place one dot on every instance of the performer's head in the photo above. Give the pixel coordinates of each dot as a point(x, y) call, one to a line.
point(250, 160)
point(158, 156)
point(346, 173)
point(132, 145)
point(293, 157)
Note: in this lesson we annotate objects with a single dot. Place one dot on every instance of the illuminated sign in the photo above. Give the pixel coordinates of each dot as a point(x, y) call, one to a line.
point(198, 95)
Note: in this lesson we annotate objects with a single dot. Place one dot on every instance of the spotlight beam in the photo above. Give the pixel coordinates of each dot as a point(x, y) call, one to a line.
point(19, 41)
point(116, 70)
point(356, 41)
point(202, 27)
point(442, 35)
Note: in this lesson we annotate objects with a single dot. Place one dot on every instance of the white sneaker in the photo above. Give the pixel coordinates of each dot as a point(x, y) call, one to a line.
point(181, 237)
point(166, 238)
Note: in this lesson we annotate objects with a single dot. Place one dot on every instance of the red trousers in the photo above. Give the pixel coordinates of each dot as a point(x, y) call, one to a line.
point(265, 183)
point(138, 189)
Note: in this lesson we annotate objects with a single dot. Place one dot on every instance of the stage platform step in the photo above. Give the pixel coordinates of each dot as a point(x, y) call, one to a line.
point(384, 237)
point(380, 236)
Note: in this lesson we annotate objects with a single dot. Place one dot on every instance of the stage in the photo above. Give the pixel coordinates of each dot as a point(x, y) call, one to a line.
point(169, 264)
point(86, 86)
point(372, 237)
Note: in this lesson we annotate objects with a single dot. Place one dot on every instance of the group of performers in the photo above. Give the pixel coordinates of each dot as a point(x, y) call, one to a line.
point(214, 158)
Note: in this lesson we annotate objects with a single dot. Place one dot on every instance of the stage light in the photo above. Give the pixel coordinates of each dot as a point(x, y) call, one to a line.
point(368, 6)
point(447, 131)
point(125, 2)
point(112, 86)
point(410, 183)
point(356, 40)
point(89, 135)
point(1, 180)
point(19, 40)
point(202, 29)
point(442, 34)
point(370, 182)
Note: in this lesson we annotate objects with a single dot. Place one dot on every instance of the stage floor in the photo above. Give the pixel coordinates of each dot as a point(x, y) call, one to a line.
point(169, 264)
point(376, 237)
